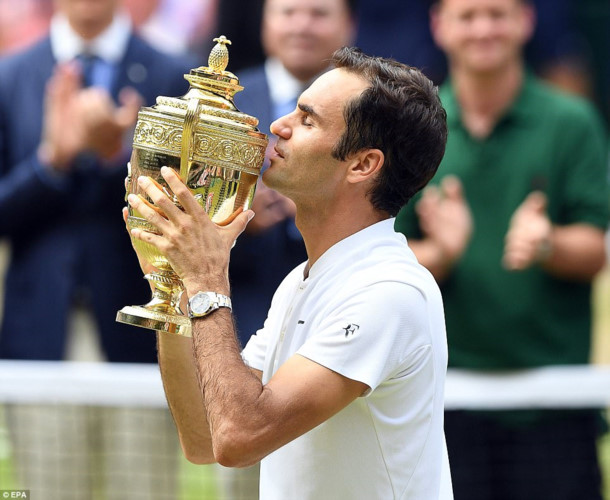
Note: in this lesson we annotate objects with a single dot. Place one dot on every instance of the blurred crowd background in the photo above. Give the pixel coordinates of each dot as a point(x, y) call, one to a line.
point(570, 46)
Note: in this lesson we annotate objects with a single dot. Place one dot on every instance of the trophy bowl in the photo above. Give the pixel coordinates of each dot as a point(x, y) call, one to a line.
point(218, 152)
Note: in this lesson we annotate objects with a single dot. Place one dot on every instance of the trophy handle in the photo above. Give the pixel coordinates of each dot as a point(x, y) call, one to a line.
point(193, 110)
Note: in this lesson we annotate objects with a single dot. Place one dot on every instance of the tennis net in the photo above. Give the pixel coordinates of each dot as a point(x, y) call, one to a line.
point(74, 430)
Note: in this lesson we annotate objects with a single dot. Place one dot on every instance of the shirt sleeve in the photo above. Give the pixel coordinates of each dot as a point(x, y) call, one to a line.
point(584, 167)
point(372, 333)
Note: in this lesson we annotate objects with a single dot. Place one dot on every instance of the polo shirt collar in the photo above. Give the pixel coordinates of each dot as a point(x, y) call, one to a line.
point(361, 241)
point(520, 111)
point(110, 45)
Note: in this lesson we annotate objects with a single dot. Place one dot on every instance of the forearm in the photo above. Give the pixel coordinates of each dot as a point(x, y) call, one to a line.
point(231, 392)
point(184, 396)
point(246, 421)
point(577, 252)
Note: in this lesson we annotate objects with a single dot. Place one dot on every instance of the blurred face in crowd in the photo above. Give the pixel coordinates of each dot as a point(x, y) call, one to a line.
point(88, 17)
point(482, 36)
point(303, 34)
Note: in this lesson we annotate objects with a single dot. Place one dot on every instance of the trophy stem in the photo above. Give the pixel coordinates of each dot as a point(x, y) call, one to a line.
point(167, 291)
point(163, 311)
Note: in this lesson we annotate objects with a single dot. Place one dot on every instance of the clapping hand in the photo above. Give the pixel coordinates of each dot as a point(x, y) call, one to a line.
point(445, 218)
point(528, 239)
point(78, 120)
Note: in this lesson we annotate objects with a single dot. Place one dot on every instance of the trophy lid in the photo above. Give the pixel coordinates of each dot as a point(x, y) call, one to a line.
point(204, 125)
point(214, 88)
point(214, 77)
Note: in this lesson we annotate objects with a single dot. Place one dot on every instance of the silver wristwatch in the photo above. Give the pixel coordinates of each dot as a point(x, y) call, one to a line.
point(203, 303)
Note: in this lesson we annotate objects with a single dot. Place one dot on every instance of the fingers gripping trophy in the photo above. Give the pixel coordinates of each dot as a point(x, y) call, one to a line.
point(218, 152)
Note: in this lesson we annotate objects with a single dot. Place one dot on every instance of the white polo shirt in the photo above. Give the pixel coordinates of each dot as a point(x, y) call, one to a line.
point(370, 312)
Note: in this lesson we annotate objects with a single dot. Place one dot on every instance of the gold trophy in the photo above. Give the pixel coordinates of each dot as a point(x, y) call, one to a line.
point(218, 152)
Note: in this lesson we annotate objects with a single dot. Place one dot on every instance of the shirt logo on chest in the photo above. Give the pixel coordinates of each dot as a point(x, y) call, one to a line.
point(351, 329)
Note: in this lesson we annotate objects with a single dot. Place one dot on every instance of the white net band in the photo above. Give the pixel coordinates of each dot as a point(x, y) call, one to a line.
point(139, 385)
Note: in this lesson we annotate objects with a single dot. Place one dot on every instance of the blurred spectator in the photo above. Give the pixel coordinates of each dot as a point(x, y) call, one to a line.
point(562, 51)
point(68, 105)
point(514, 231)
point(67, 147)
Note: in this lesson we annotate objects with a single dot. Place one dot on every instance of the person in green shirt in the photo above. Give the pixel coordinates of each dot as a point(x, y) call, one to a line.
point(514, 232)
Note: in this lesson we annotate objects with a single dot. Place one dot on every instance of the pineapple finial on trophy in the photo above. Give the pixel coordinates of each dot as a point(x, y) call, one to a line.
point(219, 56)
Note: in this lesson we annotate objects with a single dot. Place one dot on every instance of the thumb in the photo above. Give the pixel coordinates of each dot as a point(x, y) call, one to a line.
point(535, 202)
point(452, 188)
point(131, 102)
point(239, 223)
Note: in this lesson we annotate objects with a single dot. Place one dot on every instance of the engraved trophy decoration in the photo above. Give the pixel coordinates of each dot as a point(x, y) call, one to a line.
point(218, 152)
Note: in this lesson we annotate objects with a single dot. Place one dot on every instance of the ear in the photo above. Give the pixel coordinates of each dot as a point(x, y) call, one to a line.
point(365, 165)
point(528, 11)
point(435, 21)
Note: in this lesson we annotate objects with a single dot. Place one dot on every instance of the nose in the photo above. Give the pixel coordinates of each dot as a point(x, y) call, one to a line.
point(483, 26)
point(281, 127)
point(301, 21)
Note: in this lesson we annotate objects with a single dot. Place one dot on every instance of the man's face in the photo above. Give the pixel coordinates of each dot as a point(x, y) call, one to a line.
point(303, 34)
point(302, 167)
point(482, 35)
point(87, 12)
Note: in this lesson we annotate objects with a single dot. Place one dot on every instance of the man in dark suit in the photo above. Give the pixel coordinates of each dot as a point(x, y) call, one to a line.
point(299, 37)
point(66, 148)
point(68, 106)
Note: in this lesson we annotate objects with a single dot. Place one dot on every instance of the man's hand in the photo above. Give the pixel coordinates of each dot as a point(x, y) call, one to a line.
point(78, 120)
point(105, 124)
point(63, 133)
point(197, 249)
point(445, 218)
point(147, 267)
point(528, 239)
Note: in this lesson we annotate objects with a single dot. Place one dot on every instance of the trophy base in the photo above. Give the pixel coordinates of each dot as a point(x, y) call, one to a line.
point(147, 318)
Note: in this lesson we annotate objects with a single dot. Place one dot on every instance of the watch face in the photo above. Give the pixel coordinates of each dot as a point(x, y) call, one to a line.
point(200, 303)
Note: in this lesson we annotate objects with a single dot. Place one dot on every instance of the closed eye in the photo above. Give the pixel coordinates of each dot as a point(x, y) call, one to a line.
point(305, 120)
point(308, 115)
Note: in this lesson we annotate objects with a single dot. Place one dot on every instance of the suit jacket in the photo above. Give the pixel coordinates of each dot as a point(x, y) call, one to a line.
point(259, 263)
point(66, 234)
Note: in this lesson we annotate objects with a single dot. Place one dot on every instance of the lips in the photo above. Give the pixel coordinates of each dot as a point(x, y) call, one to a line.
point(278, 152)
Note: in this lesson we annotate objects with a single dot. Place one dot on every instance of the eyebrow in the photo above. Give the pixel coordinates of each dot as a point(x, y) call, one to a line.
point(306, 108)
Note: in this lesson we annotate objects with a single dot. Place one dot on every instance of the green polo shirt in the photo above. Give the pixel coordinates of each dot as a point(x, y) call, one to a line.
point(497, 319)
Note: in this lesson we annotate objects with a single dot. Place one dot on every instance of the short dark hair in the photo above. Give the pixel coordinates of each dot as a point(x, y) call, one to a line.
point(434, 3)
point(400, 114)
